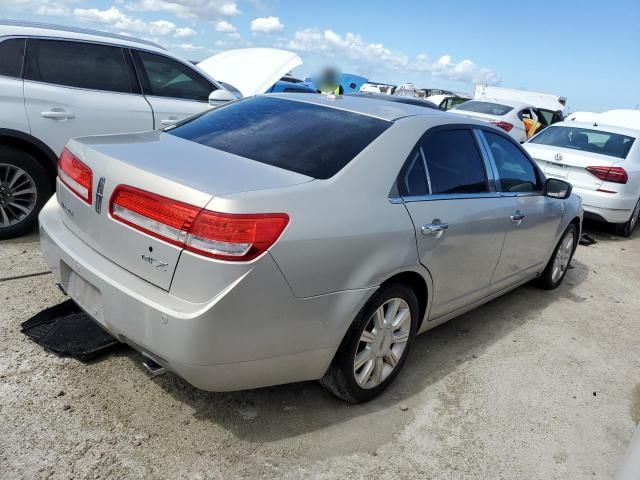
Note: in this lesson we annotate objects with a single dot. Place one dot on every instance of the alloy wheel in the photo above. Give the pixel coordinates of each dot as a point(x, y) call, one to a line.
point(563, 257)
point(382, 343)
point(18, 195)
point(634, 216)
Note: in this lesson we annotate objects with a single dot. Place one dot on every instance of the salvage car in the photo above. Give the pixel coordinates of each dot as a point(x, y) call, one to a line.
point(519, 120)
point(601, 161)
point(292, 237)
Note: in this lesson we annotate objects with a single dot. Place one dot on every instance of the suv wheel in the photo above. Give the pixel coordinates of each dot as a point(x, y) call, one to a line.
point(24, 188)
point(376, 345)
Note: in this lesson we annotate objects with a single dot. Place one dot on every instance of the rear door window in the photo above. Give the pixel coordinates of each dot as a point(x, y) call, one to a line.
point(11, 57)
point(165, 77)
point(454, 163)
point(301, 137)
point(517, 173)
point(78, 64)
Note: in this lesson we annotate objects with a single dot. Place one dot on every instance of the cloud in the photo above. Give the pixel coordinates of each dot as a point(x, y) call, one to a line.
point(376, 57)
point(266, 25)
point(224, 27)
point(114, 18)
point(191, 9)
point(184, 32)
point(36, 7)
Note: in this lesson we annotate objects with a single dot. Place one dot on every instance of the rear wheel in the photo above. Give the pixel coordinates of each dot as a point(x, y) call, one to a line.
point(627, 228)
point(558, 265)
point(376, 345)
point(24, 188)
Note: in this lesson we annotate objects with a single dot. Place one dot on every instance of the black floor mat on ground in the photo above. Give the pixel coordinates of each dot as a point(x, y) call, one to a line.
point(65, 329)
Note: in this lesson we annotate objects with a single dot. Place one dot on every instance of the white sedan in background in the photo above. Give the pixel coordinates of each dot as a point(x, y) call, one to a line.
point(519, 120)
point(602, 162)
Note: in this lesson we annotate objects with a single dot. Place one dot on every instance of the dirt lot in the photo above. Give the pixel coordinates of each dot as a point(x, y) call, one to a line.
point(533, 385)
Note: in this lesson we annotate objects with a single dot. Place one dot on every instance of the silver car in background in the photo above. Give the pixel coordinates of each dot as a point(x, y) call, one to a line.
point(296, 237)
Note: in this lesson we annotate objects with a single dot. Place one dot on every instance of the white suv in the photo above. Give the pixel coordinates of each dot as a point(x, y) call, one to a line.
point(59, 82)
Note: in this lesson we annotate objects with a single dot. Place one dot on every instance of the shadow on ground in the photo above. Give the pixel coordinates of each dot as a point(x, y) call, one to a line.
point(275, 413)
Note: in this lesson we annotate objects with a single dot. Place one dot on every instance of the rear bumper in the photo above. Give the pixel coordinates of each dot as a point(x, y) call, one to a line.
point(254, 333)
point(610, 207)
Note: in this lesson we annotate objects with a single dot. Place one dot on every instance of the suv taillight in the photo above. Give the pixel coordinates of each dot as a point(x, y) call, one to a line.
point(610, 174)
point(233, 237)
point(506, 126)
point(76, 175)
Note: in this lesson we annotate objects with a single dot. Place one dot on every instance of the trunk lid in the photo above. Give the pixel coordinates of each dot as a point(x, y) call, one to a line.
point(570, 165)
point(165, 165)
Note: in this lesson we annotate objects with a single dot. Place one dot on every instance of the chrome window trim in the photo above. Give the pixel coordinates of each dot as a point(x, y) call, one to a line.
point(450, 196)
point(426, 169)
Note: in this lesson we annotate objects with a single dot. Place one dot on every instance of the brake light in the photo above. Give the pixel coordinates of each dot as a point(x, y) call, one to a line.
point(234, 237)
point(76, 175)
point(610, 174)
point(506, 126)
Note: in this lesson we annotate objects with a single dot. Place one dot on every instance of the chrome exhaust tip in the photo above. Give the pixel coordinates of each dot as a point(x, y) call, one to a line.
point(153, 368)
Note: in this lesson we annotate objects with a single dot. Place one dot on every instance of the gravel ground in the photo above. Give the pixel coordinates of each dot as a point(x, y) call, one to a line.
point(536, 384)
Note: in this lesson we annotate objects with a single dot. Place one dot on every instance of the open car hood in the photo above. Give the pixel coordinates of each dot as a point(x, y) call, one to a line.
point(251, 70)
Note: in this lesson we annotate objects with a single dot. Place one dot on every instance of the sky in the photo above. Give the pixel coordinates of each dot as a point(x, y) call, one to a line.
point(585, 50)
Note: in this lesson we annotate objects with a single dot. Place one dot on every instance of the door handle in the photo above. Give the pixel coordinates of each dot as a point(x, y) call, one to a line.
point(169, 121)
point(57, 114)
point(434, 228)
point(518, 217)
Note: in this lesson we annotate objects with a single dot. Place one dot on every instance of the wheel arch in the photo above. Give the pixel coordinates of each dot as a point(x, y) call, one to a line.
point(420, 284)
point(34, 147)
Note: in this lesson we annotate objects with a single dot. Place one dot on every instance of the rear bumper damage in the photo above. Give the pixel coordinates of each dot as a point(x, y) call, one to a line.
point(254, 333)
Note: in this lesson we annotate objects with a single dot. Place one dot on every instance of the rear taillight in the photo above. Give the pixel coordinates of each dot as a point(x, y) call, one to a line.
point(610, 174)
point(235, 237)
point(76, 175)
point(506, 126)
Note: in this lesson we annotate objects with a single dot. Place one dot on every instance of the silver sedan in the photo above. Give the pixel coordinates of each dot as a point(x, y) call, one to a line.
point(296, 237)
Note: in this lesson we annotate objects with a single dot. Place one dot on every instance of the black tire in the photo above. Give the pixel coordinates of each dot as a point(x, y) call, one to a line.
point(11, 156)
point(546, 280)
point(627, 228)
point(340, 377)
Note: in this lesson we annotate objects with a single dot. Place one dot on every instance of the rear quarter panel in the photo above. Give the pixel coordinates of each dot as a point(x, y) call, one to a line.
point(344, 233)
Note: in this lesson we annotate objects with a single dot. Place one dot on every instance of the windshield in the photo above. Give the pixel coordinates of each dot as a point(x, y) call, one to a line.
point(310, 139)
point(587, 140)
point(485, 107)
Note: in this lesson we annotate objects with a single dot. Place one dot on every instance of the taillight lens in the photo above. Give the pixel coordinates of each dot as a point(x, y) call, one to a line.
point(76, 175)
point(610, 174)
point(235, 237)
point(506, 126)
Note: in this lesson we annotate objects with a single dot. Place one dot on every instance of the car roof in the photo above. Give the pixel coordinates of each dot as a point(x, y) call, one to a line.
point(508, 103)
point(601, 127)
point(20, 27)
point(419, 102)
point(371, 107)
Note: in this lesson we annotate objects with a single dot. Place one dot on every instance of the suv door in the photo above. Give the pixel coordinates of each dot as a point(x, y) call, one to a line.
point(459, 219)
point(175, 90)
point(73, 89)
point(533, 218)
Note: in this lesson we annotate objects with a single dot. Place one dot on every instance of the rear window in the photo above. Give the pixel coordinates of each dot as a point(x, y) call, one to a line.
point(485, 107)
point(587, 140)
point(304, 138)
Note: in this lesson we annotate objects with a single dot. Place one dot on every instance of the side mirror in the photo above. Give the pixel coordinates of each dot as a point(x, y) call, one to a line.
point(220, 96)
point(555, 188)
